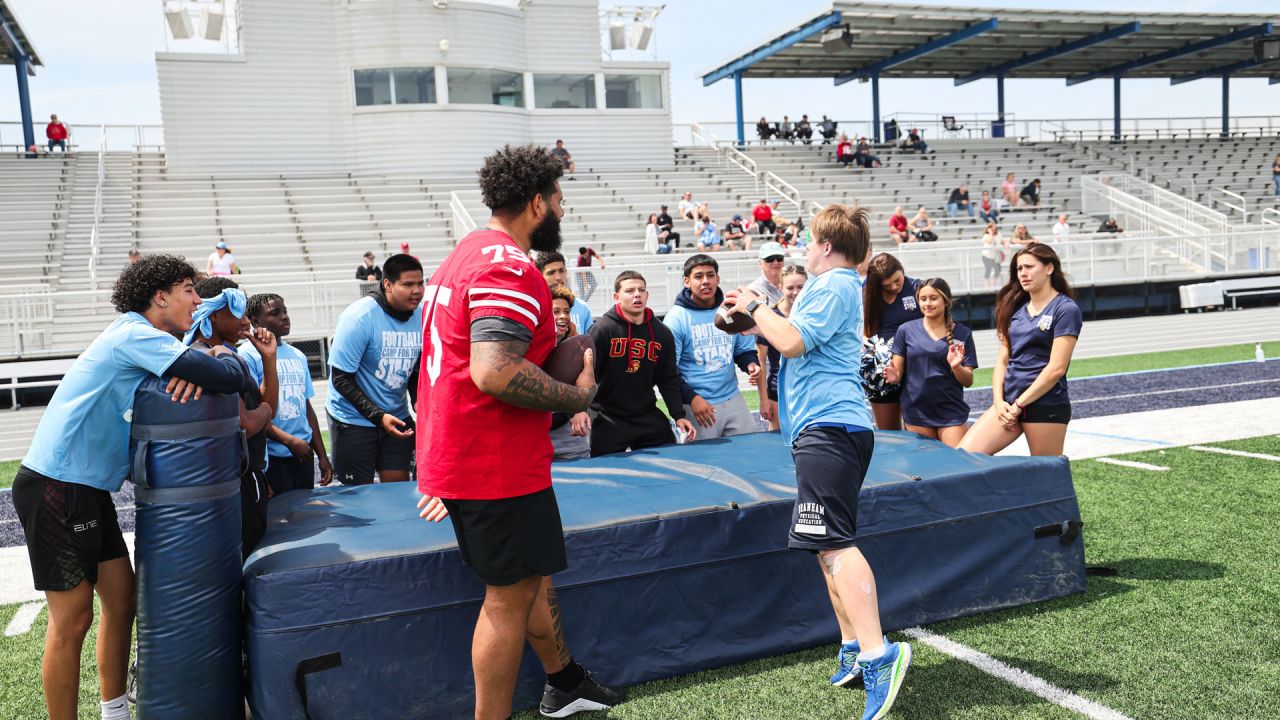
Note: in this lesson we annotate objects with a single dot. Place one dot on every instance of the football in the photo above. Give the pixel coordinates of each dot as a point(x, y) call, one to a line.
point(733, 323)
point(565, 362)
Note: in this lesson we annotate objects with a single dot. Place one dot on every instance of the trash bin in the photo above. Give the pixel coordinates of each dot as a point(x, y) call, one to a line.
point(997, 128)
point(890, 131)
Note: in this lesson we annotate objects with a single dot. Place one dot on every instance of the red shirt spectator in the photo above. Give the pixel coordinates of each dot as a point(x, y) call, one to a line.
point(762, 212)
point(898, 223)
point(56, 130)
point(844, 148)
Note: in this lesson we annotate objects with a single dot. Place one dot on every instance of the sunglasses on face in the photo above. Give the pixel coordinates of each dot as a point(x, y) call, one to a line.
point(774, 259)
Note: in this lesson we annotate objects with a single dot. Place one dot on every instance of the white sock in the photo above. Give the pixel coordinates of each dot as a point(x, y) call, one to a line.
point(873, 654)
point(117, 709)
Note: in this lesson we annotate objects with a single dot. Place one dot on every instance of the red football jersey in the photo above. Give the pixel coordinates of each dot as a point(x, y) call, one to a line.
point(473, 446)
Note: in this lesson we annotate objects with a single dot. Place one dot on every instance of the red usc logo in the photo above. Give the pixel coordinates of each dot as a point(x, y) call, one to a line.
point(635, 351)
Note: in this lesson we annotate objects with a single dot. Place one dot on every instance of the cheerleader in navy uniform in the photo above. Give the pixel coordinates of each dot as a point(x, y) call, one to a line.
point(889, 300)
point(933, 359)
point(1037, 324)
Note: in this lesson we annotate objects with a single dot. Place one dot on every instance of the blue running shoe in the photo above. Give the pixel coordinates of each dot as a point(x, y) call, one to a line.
point(847, 671)
point(883, 678)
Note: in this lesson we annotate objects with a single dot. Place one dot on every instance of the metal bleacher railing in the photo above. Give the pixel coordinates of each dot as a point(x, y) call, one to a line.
point(95, 245)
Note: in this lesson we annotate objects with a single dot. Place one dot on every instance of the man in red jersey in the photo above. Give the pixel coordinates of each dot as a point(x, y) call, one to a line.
point(484, 401)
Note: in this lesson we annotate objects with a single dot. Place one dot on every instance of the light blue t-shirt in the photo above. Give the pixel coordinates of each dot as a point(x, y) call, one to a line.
point(381, 351)
point(824, 384)
point(580, 314)
point(295, 390)
point(704, 354)
point(83, 436)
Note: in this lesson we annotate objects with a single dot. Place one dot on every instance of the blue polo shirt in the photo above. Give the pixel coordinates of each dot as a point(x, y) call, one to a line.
point(83, 436)
point(824, 385)
point(931, 395)
point(1030, 343)
point(295, 390)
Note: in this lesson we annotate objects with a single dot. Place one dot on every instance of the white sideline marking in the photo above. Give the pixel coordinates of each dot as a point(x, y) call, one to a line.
point(1171, 391)
point(1015, 677)
point(1237, 453)
point(22, 619)
point(1131, 464)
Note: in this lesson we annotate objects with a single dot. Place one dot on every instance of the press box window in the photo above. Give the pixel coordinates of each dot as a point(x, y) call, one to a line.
point(633, 91)
point(373, 87)
point(471, 86)
point(399, 86)
point(564, 91)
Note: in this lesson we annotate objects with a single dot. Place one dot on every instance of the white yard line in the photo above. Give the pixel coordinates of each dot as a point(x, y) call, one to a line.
point(1237, 453)
point(22, 619)
point(1173, 391)
point(1014, 676)
point(1131, 464)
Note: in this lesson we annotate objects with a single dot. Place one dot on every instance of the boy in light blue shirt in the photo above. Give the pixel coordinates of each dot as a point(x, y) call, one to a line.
point(706, 355)
point(826, 422)
point(373, 371)
point(80, 454)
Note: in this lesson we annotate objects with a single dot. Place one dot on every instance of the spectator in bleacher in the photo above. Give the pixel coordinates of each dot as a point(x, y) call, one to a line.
point(373, 374)
point(735, 234)
point(1062, 228)
point(587, 278)
point(987, 209)
point(804, 131)
point(687, 208)
point(763, 215)
point(786, 129)
point(1021, 235)
point(793, 278)
point(655, 239)
point(764, 129)
point(134, 256)
point(993, 247)
point(1110, 226)
point(57, 133)
point(708, 235)
point(1275, 174)
point(667, 225)
point(915, 142)
point(1031, 193)
point(706, 356)
point(552, 266)
point(828, 128)
point(1009, 189)
point(570, 433)
point(636, 352)
point(863, 155)
point(844, 152)
point(221, 262)
point(958, 202)
point(404, 250)
point(565, 158)
point(898, 227)
point(368, 270)
point(769, 285)
point(922, 226)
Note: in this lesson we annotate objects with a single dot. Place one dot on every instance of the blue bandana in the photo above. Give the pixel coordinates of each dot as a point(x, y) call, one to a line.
point(202, 323)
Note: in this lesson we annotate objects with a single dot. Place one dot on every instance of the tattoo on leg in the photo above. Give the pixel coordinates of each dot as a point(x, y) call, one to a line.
point(557, 627)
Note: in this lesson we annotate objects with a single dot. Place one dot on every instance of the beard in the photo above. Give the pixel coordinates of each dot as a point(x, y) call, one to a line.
point(546, 237)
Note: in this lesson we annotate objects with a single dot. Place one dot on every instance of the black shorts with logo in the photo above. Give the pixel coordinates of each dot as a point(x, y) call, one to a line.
point(831, 463)
point(70, 529)
point(1038, 412)
point(508, 540)
point(356, 451)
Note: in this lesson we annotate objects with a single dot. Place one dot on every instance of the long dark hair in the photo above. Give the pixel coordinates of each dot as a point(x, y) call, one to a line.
point(944, 290)
point(882, 267)
point(1012, 296)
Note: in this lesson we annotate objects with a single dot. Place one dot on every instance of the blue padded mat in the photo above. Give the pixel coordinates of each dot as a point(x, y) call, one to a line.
point(677, 563)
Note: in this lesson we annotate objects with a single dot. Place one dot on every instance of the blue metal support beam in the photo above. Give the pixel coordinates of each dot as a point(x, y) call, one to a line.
point(997, 128)
point(737, 103)
point(22, 63)
point(1065, 48)
point(919, 51)
point(800, 34)
point(1226, 106)
point(1188, 49)
point(1115, 100)
point(875, 108)
point(1220, 71)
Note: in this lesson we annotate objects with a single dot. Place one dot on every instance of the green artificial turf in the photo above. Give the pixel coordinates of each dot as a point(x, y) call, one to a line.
point(8, 468)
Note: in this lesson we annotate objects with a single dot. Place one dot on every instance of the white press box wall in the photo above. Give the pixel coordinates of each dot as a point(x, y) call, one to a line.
point(286, 102)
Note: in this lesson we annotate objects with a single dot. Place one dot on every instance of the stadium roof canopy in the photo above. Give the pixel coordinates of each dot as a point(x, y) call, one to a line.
point(18, 50)
point(970, 43)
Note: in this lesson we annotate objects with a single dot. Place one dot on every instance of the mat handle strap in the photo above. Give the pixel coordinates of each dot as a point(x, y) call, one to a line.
point(316, 664)
point(1066, 531)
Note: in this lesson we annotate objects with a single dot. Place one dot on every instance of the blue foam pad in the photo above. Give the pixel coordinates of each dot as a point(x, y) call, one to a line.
point(677, 563)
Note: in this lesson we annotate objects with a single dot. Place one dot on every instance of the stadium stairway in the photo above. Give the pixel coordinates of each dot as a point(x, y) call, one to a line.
point(34, 202)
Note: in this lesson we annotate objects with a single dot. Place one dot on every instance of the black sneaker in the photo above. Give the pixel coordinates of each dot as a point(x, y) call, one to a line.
point(589, 695)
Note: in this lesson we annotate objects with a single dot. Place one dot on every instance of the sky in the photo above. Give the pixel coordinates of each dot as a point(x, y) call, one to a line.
point(100, 68)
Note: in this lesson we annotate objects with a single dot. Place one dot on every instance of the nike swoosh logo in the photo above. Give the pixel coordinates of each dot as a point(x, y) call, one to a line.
point(517, 271)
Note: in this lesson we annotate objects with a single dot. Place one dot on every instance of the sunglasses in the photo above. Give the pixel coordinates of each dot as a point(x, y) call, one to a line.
point(774, 259)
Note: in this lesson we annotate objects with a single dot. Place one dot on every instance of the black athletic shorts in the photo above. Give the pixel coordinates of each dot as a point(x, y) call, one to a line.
point(1038, 412)
point(505, 541)
point(890, 397)
point(285, 473)
point(70, 529)
point(356, 451)
point(253, 511)
point(831, 463)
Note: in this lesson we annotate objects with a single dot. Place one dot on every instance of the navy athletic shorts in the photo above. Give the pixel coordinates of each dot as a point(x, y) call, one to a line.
point(831, 462)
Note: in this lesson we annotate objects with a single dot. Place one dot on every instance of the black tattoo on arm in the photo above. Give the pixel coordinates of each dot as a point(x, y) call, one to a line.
point(557, 627)
point(512, 378)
